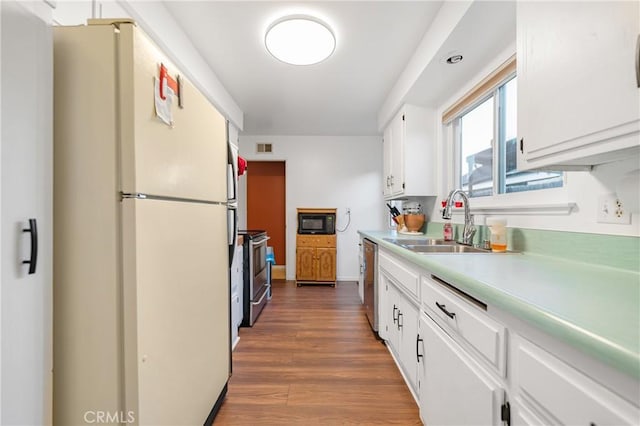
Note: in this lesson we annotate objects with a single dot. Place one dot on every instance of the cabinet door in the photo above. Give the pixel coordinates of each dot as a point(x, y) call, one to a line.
point(408, 330)
point(389, 317)
point(563, 393)
point(397, 154)
point(26, 192)
point(576, 80)
point(456, 390)
point(326, 264)
point(305, 263)
point(522, 416)
point(386, 158)
point(421, 364)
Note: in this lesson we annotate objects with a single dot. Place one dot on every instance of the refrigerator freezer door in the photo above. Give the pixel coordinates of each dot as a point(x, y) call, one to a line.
point(185, 160)
point(176, 309)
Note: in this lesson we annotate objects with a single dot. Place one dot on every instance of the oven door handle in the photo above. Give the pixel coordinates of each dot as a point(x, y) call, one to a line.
point(262, 241)
point(263, 296)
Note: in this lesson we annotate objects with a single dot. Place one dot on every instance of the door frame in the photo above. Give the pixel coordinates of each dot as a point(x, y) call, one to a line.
point(242, 188)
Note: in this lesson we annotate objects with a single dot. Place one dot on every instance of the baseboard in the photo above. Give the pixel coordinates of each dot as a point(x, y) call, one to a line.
point(217, 405)
point(356, 279)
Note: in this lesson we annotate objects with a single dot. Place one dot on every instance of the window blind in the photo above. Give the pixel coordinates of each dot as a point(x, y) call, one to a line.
point(487, 85)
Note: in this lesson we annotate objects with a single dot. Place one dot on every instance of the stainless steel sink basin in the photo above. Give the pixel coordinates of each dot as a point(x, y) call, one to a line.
point(435, 246)
point(419, 242)
point(455, 248)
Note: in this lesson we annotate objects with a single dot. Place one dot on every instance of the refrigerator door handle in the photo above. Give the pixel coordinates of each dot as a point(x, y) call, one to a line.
point(231, 227)
point(232, 232)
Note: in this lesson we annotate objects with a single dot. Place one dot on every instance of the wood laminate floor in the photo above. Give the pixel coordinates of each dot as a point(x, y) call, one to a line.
point(312, 359)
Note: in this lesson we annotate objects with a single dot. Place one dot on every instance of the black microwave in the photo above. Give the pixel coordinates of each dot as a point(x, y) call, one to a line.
point(316, 223)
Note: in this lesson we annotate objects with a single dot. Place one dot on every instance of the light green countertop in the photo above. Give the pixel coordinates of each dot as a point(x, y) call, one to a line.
point(593, 308)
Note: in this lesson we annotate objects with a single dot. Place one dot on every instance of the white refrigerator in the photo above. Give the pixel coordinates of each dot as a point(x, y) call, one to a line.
point(141, 272)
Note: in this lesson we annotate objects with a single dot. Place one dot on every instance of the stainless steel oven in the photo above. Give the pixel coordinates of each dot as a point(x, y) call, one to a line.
point(256, 283)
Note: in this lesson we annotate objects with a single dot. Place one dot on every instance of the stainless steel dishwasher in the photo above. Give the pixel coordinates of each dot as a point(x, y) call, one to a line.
point(371, 282)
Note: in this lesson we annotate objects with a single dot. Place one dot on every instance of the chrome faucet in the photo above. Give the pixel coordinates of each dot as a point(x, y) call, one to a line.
point(469, 229)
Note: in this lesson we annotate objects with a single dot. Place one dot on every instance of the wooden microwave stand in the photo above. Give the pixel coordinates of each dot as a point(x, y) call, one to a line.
point(316, 255)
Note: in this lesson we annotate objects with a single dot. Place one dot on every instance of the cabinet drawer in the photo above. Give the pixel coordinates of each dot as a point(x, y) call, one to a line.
point(563, 393)
point(316, 241)
point(469, 322)
point(404, 275)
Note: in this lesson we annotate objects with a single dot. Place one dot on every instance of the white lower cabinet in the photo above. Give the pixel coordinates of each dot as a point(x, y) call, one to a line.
point(388, 310)
point(456, 390)
point(400, 324)
point(408, 318)
point(523, 416)
point(560, 394)
point(452, 349)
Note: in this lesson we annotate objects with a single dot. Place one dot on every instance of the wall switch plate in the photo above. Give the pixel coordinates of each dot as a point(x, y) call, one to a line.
point(611, 210)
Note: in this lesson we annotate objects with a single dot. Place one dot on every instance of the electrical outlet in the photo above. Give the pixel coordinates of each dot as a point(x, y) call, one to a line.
point(348, 210)
point(611, 210)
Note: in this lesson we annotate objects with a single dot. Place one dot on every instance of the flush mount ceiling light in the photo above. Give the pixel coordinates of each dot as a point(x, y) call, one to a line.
point(300, 40)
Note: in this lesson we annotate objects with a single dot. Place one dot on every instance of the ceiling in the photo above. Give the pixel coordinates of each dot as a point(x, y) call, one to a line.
point(340, 96)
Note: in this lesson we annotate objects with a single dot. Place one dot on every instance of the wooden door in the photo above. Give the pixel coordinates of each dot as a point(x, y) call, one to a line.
point(305, 263)
point(326, 264)
point(266, 203)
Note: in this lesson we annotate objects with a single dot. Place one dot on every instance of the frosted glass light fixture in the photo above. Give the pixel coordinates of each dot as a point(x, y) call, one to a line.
point(300, 40)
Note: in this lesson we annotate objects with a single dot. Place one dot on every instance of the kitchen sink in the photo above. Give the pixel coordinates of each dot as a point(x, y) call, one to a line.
point(443, 248)
point(435, 246)
point(419, 242)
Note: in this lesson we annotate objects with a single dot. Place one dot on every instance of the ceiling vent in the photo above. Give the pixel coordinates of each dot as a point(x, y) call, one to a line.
point(264, 148)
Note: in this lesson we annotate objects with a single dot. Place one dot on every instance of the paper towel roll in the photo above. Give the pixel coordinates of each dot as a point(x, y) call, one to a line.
point(628, 191)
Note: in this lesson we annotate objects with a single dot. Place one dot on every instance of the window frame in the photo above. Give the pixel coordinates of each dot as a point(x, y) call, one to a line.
point(457, 146)
point(548, 201)
point(498, 157)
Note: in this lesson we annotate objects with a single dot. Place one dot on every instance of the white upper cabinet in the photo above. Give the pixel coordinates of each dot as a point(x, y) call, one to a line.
point(409, 153)
point(578, 95)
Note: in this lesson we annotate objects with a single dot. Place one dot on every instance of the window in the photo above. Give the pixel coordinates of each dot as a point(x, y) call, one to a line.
point(486, 146)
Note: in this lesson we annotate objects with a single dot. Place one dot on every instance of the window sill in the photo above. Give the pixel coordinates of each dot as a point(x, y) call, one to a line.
point(556, 209)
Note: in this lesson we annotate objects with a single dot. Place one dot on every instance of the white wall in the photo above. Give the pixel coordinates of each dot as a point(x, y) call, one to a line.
point(582, 188)
point(326, 171)
point(158, 23)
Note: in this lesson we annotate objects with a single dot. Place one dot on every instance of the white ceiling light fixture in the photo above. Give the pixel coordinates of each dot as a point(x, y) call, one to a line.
point(300, 40)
